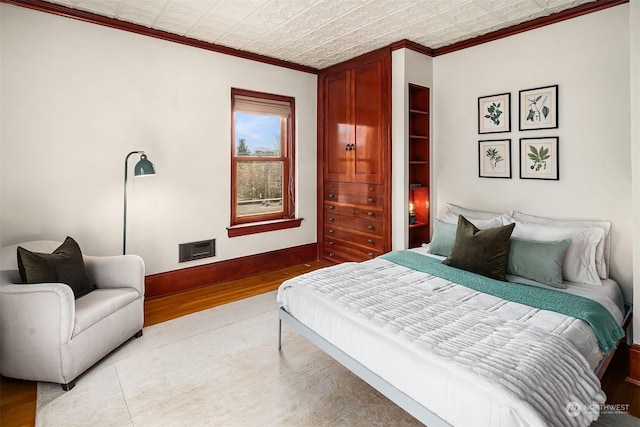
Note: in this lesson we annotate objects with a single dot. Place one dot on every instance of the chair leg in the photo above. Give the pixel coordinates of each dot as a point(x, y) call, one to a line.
point(71, 384)
point(68, 386)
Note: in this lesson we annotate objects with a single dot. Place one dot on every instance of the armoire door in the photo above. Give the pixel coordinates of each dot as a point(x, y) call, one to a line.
point(338, 127)
point(367, 91)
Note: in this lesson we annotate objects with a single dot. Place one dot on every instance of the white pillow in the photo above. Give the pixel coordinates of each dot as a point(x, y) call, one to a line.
point(481, 219)
point(603, 250)
point(580, 259)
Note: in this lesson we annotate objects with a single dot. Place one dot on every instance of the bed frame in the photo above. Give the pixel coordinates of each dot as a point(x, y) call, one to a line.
point(626, 322)
point(418, 411)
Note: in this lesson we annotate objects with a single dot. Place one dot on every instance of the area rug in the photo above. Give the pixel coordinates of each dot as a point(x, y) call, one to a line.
point(221, 367)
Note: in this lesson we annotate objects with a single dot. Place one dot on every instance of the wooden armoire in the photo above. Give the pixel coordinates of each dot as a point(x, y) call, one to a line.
point(354, 158)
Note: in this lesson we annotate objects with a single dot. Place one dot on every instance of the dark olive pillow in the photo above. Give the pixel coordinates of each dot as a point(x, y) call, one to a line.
point(64, 265)
point(481, 251)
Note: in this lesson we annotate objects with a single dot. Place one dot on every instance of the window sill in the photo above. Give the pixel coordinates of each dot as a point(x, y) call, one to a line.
point(262, 226)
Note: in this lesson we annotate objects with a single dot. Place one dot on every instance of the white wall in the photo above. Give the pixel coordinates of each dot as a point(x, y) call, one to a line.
point(1, 122)
point(588, 57)
point(408, 66)
point(78, 97)
point(634, 113)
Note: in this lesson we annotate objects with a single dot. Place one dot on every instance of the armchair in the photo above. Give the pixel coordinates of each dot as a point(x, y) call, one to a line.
point(47, 335)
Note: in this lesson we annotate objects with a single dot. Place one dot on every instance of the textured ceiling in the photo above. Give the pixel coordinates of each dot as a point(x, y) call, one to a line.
point(319, 33)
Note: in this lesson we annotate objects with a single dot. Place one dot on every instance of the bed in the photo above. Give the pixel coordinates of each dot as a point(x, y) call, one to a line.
point(450, 347)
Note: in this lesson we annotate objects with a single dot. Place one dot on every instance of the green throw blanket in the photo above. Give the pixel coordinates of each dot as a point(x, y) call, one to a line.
point(601, 321)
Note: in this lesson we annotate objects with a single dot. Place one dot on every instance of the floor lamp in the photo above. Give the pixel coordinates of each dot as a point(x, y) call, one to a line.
point(143, 167)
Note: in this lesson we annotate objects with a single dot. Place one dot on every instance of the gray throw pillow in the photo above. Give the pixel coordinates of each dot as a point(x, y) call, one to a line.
point(538, 260)
point(481, 251)
point(63, 265)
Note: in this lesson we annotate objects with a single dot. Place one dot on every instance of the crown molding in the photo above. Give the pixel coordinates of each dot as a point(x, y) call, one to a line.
point(408, 44)
point(573, 12)
point(93, 18)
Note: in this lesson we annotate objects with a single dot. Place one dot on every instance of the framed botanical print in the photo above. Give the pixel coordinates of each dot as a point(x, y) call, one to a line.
point(539, 108)
point(539, 158)
point(494, 158)
point(494, 113)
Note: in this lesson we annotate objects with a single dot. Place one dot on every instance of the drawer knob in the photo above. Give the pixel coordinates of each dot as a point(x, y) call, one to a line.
point(370, 213)
point(370, 227)
point(331, 243)
point(331, 207)
point(370, 188)
point(370, 200)
point(330, 231)
point(370, 241)
point(331, 195)
point(331, 254)
point(330, 219)
point(370, 254)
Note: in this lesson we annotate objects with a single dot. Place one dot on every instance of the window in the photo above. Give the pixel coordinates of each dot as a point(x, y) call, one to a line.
point(262, 169)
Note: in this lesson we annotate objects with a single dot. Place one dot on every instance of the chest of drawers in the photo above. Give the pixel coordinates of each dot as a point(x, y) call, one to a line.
point(354, 227)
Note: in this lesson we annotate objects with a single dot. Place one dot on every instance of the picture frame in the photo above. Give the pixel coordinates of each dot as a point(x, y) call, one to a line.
point(539, 158)
point(494, 158)
point(538, 108)
point(494, 113)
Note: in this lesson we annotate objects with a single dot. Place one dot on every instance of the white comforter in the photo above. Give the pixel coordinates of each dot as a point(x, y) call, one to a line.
point(451, 349)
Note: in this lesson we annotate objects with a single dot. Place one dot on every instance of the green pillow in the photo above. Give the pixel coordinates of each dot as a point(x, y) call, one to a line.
point(537, 260)
point(444, 234)
point(64, 265)
point(481, 251)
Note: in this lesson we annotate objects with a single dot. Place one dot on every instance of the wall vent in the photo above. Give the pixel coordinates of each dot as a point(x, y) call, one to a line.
point(197, 250)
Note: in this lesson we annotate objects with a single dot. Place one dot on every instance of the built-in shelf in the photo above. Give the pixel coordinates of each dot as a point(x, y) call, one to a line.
point(418, 165)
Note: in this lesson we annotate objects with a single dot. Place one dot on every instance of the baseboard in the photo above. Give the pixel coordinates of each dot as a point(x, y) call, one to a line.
point(175, 281)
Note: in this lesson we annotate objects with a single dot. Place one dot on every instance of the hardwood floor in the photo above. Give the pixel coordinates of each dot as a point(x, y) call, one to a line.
point(18, 398)
point(613, 383)
point(167, 308)
point(17, 402)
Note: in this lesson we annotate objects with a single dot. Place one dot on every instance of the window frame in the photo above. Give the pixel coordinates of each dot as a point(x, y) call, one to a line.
point(250, 224)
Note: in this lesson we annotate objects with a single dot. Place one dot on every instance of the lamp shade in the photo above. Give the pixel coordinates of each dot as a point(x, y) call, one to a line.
point(144, 167)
